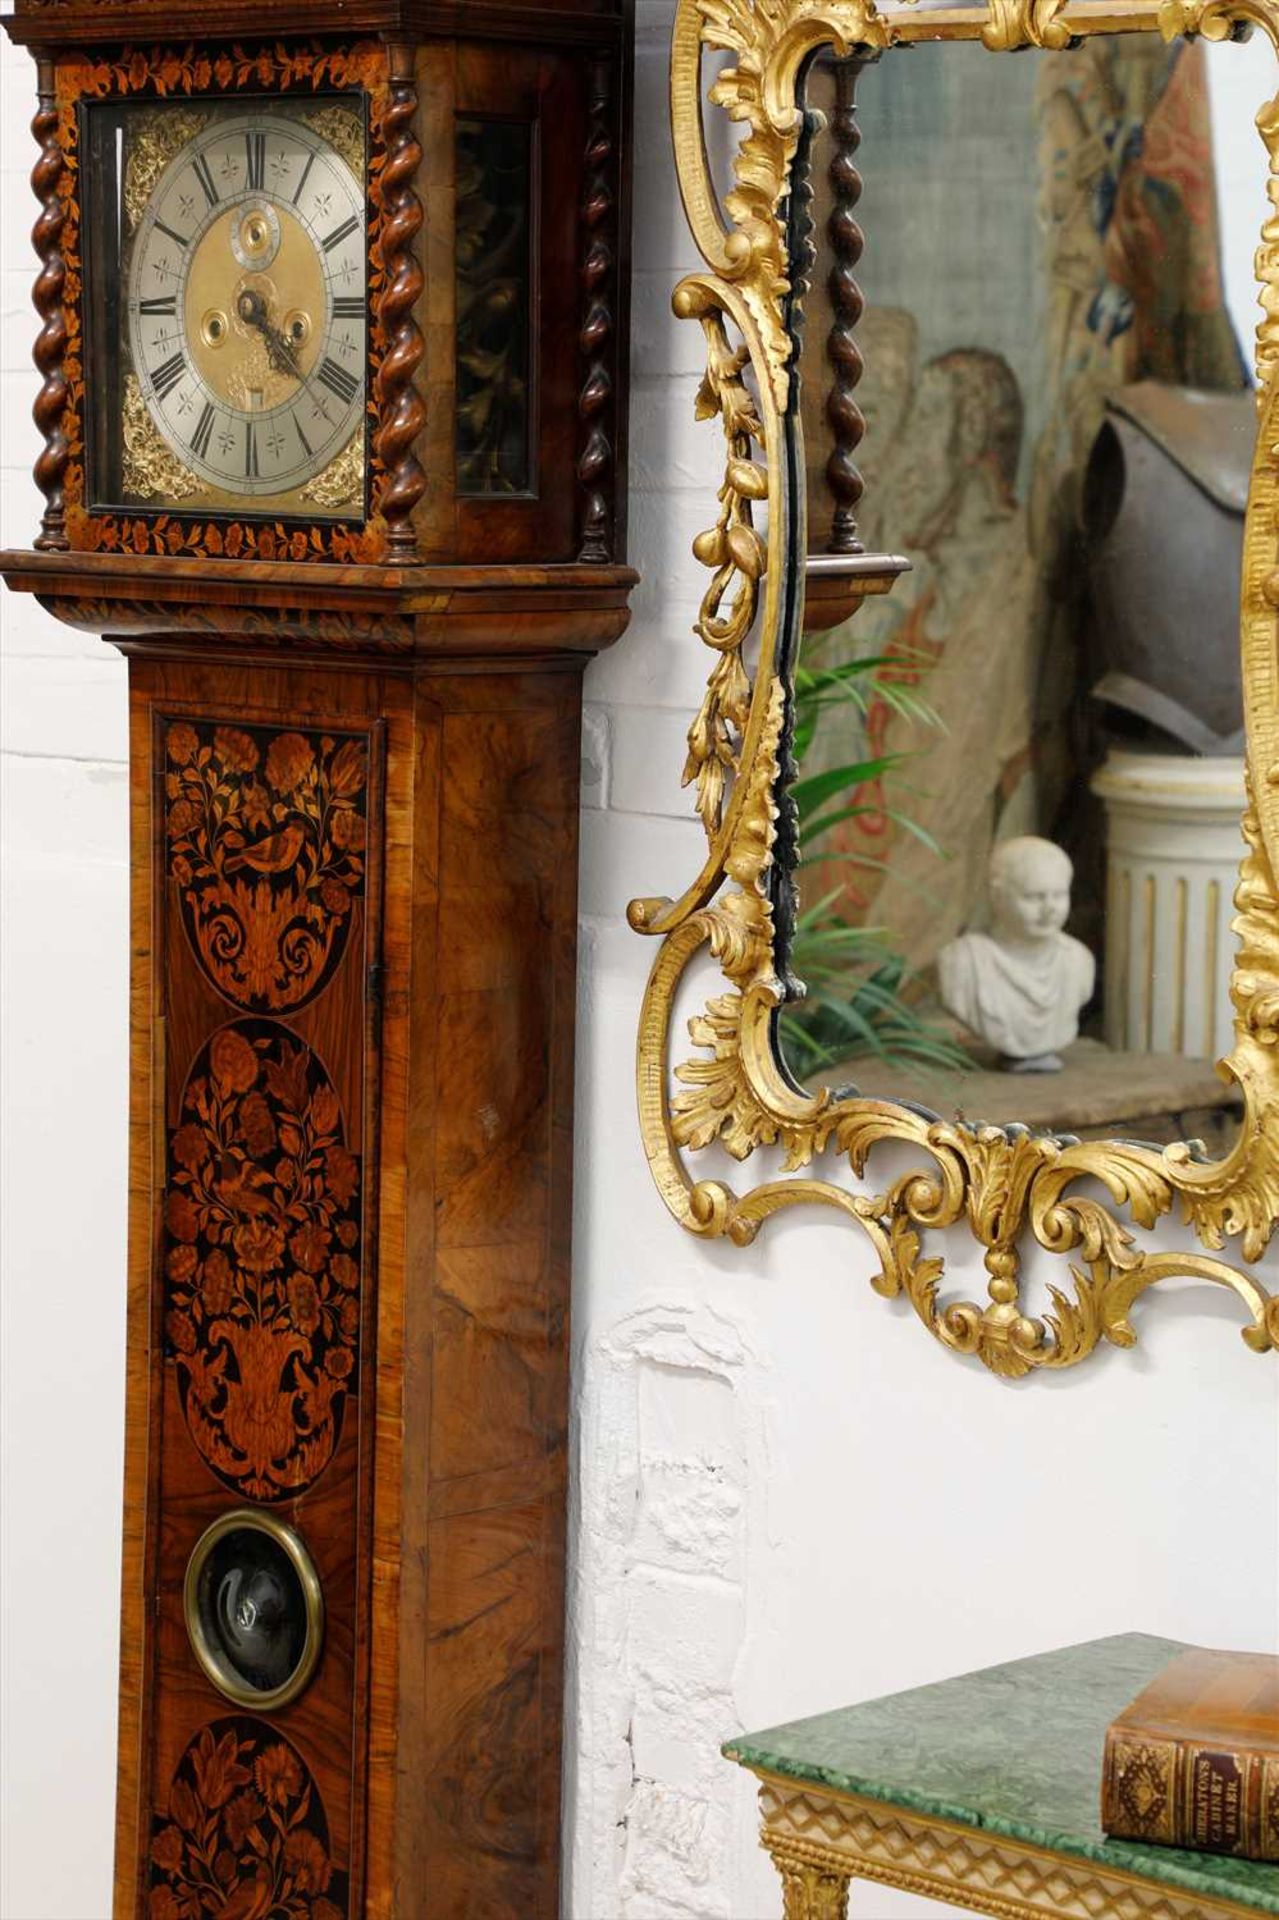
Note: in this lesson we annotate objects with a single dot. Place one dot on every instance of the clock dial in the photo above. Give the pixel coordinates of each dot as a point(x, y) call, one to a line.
point(247, 307)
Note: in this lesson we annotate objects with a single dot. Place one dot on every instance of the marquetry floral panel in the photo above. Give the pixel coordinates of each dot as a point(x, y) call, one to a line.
point(244, 1834)
point(262, 1260)
point(266, 837)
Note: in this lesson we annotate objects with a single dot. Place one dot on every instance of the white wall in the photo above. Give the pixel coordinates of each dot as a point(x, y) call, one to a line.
point(788, 1497)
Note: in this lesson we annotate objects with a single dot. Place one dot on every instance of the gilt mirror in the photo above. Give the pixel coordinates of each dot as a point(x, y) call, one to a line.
point(990, 786)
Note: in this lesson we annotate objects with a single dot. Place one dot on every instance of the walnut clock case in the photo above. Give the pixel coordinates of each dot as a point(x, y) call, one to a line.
point(332, 339)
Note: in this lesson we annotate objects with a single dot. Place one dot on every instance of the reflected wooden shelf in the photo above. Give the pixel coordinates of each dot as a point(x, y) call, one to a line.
point(1100, 1093)
point(836, 584)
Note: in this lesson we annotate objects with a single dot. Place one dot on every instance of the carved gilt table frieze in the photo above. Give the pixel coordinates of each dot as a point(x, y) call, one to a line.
point(983, 1793)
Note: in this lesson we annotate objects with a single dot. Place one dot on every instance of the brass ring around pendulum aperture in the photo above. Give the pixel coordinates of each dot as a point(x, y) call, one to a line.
point(254, 1609)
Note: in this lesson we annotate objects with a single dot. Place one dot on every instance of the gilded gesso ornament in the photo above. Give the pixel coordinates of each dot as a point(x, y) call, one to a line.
point(155, 140)
point(771, 39)
point(342, 130)
point(342, 482)
point(735, 553)
point(1025, 23)
point(1009, 1187)
point(819, 1840)
point(150, 469)
point(1267, 256)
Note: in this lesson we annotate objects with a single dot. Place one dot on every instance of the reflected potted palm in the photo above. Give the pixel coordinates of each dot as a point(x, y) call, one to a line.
point(863, 998)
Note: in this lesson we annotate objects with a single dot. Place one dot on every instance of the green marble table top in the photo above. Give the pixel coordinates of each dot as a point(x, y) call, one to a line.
point(1015, 1750)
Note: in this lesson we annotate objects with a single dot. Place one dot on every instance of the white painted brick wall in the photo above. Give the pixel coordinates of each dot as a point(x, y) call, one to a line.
point(786, 1495)
point(897, 1517)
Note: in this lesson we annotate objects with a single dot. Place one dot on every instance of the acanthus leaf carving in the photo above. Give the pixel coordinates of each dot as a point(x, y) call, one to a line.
point(1025, 23)
point(771, 39)
point(732, 549)
point(1011, 1187)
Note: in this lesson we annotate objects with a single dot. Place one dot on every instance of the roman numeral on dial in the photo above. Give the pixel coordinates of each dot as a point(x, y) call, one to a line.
point(204, 432)
point(339, 234)
point(348, 306)
point(203, 174)
point(306, 174)
point(166, 304)
point(255, 147)
point(166, 376)
point(338, 381)
point(250, 451)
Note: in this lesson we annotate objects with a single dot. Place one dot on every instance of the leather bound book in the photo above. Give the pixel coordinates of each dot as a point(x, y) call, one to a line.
point(1194, 1761)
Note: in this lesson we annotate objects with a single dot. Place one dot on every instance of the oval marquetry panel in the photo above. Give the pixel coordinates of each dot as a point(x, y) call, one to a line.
point(244, 1835)
point(262, 1260)
point(265, 834)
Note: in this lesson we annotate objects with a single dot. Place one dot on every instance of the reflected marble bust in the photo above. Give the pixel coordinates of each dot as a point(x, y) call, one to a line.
point(1021, 987)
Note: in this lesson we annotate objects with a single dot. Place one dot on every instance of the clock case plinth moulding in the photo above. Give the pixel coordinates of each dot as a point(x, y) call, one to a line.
point(355, 784)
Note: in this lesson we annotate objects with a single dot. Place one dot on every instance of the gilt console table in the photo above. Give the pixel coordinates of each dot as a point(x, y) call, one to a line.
point(983, 1793)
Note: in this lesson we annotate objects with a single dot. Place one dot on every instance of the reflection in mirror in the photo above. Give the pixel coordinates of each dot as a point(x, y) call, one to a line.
point(1020, 762)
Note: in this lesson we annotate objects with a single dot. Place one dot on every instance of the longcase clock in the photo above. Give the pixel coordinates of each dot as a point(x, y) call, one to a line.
point(332, 344)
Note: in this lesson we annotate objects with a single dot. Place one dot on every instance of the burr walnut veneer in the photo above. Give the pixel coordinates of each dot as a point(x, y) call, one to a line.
point(355, 754)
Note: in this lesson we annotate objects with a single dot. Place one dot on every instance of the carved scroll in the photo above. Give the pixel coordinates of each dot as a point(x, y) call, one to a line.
point(403, 415)
point(846, 419)
point(599, 206)
point(1267, 256)
point(1013, 1190)
point(51, 341)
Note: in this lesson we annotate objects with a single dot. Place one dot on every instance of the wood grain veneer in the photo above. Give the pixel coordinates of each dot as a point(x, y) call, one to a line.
point(438, 1526)
point(354, 802)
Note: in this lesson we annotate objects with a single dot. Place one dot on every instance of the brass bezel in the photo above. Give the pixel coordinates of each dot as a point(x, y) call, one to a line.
point(215, 1671)
point(1008, 1186)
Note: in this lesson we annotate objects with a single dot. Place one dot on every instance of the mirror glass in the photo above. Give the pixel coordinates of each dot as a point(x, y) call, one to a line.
point(1020, 761)
point(494, 346)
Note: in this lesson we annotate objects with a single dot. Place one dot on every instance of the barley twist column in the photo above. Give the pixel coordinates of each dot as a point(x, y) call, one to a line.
point(402, 413)
point(50, 406)
point(599, 325)
point(845, 417)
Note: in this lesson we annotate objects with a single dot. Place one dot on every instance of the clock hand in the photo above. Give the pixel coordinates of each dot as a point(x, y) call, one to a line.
point(252, 310)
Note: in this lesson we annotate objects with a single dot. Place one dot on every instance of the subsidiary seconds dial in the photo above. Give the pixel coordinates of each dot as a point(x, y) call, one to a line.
point(248, 306)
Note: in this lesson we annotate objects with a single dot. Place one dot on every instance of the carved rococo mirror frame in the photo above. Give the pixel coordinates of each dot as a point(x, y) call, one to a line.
point(1012, 1187)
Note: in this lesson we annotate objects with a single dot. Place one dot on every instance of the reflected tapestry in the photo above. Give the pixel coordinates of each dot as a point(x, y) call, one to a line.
point(1040, 234)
